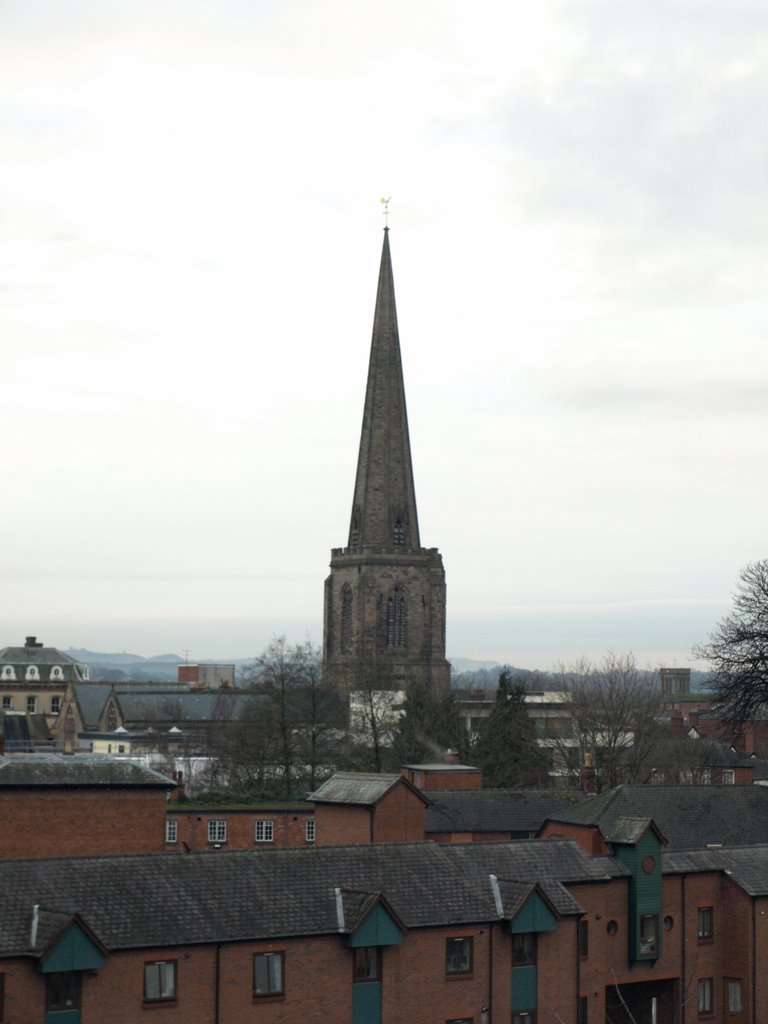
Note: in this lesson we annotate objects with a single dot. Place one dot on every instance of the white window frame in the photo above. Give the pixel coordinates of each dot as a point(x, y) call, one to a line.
point(171, 831)
point(309, 830)
point(217, 830)
point(159, 981)
point(729, 777)
point(31, 705)
point(7, 702)
point(55, 705)
point(265, 830)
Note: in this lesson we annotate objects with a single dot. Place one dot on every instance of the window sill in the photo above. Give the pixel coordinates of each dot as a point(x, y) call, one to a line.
point(708, 941)
point(278, 997)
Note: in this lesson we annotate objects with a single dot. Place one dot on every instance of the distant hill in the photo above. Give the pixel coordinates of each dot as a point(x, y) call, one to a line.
point(460, 665)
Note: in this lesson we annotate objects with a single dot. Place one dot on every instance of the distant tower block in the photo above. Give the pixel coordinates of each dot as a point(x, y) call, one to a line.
point(675, 680)
point(385, 595)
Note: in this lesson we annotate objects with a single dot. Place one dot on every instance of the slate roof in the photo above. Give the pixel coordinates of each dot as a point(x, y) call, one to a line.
point(36, 656)
point(176, 899)
point(362, 788)
point(59, 770)
point(91, 698)
point(689, 817)
point(492, 810)
point(746, 865)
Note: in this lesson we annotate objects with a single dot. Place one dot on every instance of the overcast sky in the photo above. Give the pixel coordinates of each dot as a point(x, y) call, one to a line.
point(190, 232)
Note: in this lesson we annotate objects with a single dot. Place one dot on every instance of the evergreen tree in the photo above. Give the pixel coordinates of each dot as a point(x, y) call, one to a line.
point(506, 747)
point(430, 725)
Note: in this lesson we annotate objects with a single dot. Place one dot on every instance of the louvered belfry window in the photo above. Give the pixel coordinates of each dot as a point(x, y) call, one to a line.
point(346, 619)
point(396, 619)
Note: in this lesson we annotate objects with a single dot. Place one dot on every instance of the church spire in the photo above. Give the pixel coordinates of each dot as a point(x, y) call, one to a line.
point(384, 505)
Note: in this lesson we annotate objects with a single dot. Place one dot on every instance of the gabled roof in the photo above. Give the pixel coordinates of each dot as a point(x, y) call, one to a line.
point(629, 831)
point(492, 810)
point(176, 899)
point(29, 771)
point(690, 817)
point(361, 788)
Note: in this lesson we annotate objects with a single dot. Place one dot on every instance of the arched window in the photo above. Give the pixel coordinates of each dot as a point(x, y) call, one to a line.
point(398, 534)
point(346, 619)
point(396, 619)
point(32, 672)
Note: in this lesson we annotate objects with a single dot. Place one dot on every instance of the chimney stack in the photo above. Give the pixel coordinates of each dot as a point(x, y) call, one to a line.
point(588, 776)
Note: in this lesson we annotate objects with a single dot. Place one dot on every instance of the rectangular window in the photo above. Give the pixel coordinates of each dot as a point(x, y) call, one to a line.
point(159, 981)
point(705, 995)
point(62, 990)
point(583, 1017)
point(458, 956)
point(268, 975)
point(583, 938)
point(217, 830)
point(733, 995)
point(309, 830)
point(649, 934)
point(7, 703)
point(31, 705)
point(55, 705)
point(729, 776)
point(265, 831)
point(706, 923)
point(524, 949)
point(171, 831)
point(367, 964)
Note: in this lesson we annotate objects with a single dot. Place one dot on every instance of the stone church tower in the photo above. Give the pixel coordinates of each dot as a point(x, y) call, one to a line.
point(385, 595)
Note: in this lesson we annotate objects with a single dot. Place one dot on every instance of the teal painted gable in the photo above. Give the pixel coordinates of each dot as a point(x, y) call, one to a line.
point(535, 916)
point(73, 951)
point(378, 929)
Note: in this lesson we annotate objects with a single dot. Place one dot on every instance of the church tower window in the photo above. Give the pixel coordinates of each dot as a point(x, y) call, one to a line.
point(396, 619)
point(398, 534)
point(346, 619)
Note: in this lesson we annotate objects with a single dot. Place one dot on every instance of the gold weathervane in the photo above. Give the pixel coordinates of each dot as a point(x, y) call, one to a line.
point(385, 203)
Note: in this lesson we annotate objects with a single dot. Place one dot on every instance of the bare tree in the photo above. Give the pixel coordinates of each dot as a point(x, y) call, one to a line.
point(612, 707)
point(737, 649)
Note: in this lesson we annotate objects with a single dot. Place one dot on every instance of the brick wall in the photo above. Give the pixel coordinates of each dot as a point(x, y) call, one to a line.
point(81, 822)
point(288, 827)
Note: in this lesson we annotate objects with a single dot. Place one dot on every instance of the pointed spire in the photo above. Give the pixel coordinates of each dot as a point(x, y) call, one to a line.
point(384, 506)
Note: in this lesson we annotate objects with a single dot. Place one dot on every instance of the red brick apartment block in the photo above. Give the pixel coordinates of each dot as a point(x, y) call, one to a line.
point(54, 805)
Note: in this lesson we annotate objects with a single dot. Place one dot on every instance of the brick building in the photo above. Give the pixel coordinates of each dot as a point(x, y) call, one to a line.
point(52, 805)
point(385, 595)
point(406, 933)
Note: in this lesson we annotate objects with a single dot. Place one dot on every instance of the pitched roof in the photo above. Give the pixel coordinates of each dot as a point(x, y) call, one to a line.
point(60, 770)
point(175, 899)
point(491, 810)
point(362, 788)
point(746, 865)
point(689, 817)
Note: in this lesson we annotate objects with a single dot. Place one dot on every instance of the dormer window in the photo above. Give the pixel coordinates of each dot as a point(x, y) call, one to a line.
point(8, 672)
point(32, 672)
point(398, 534)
